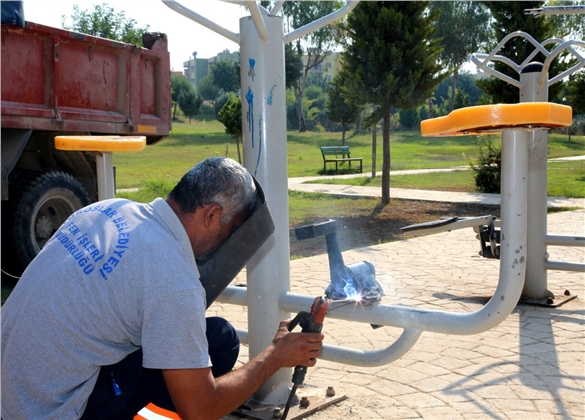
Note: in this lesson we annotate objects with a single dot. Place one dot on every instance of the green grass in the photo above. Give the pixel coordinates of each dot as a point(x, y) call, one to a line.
point(460, 180)
point(307, 207)
point(205, 137)
point(565, 179)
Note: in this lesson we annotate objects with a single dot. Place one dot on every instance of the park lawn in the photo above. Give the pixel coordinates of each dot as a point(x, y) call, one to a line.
point(204, 137)
point(460, 180)
point(565, 179)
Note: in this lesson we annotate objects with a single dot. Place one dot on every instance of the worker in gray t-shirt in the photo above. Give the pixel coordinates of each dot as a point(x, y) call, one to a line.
point(109, 318)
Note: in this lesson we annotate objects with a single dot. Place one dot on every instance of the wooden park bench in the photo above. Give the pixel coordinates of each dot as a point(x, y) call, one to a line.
point(341, 154)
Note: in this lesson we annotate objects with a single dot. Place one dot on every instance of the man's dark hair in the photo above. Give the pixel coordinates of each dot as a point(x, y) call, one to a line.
point(221, 181)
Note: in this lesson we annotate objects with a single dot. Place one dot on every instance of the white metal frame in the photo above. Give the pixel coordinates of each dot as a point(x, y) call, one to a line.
point(268, 296)
point(534, 87)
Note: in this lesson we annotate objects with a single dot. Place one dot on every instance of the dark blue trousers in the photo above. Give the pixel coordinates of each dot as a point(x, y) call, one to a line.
point(126, 387)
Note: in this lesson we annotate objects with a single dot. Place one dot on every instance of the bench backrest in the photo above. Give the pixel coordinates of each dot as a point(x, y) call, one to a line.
point(335, 150)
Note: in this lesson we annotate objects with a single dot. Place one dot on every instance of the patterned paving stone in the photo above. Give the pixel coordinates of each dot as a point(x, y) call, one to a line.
point(531, 366)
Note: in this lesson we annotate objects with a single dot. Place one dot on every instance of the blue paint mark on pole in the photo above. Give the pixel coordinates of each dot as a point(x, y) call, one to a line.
point(270, 96)
point(250, 100)
point(251, 71)
point(259, 144)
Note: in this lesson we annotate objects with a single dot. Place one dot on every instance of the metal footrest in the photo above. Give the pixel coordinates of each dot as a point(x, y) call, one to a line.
point(446, 225)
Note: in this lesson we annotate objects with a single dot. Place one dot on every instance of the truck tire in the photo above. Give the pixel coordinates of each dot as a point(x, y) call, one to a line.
point(39, 203)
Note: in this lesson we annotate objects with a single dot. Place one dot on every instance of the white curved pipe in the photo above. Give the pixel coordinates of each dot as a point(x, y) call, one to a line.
point(356, 357)
point(512, 266)
point(277, 7)
point(567, 45)
point(477, 60)
point(319, 23)
point(196, 17)
point(371, 358)
point(258, 21)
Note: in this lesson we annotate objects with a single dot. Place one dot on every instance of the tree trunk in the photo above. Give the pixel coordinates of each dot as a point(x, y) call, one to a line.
point(298, 90)
point(431, 108)
point(386, 158)
point(374, 132)
point(175, 111)
point(343, 133)
point(453, 90)
point(238, 146)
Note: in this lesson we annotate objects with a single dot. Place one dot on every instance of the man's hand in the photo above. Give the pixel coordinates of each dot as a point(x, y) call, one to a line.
point(197, 395)
point(294, 349)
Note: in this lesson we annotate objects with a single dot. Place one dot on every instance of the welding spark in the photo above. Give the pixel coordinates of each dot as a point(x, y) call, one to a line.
point(351, 293)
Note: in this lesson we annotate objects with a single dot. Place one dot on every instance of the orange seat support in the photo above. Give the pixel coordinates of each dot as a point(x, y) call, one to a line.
point(104, 146)
point(100, 143)
point(494, 118)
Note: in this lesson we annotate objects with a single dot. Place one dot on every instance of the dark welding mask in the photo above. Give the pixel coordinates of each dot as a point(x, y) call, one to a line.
point(218, 270)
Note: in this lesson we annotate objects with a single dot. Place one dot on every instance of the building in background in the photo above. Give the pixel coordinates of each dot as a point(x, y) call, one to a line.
point(197, 68)
point(328, 68)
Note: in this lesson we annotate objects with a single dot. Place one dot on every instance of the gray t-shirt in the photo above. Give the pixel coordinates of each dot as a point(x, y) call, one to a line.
point(116, 276)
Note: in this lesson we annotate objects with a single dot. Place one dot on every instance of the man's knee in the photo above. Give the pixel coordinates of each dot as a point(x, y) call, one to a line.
point(224, 345)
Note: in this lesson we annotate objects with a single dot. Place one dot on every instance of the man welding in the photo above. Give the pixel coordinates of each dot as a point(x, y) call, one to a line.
point(109, 319)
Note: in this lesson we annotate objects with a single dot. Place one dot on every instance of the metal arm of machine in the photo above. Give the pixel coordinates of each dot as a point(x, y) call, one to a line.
point(319, 23)
point(196, 17)
point(414, 320)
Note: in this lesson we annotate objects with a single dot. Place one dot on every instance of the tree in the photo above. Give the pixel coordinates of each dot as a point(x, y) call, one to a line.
point(220, 102)
point(568, 26)
point(444, 93)
point(317, 45)
point(226, 75)
point(393, 59)
point(509, 17)
point(207, 88)
point(463, 28)
point(105, 22)
point(231, 117)
point(409, 118)
point(339, 107)
point(190, 103)
point(293, 67)
point(179, 84)
point(576, 92)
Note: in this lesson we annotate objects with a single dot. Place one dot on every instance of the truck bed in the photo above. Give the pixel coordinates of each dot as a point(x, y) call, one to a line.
point(61, 81)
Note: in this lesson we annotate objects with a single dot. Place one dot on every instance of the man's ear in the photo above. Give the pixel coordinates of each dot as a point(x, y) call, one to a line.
point(212, 214)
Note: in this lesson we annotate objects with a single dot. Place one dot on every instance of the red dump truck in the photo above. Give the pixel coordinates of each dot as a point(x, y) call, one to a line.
point(57, 82)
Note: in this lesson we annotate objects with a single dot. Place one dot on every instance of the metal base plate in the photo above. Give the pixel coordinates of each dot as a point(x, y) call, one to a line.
point(317, 401)
point(555, 302)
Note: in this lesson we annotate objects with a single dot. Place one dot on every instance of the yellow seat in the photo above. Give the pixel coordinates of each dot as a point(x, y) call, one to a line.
point(100, 143)
point(493, 118)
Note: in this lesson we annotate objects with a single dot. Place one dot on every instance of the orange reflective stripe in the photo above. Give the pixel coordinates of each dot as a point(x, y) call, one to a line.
point(153, 412)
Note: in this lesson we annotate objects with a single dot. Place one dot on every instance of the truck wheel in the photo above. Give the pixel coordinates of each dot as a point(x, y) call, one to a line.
point(39, 202)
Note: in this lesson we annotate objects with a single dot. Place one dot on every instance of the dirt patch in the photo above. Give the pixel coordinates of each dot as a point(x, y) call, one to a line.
point(383, 224)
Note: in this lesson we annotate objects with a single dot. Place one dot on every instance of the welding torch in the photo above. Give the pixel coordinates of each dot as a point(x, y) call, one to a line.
point(309, 322)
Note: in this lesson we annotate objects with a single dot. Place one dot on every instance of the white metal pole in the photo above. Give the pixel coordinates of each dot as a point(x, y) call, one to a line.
point(265, 156)
point(535, 284)
point(105, 175)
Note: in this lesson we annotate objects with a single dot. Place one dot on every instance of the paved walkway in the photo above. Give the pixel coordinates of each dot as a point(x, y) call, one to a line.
point(298, 184)
point(531, 366)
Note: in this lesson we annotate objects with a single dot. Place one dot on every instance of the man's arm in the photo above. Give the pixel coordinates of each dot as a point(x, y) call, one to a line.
point(198, 395)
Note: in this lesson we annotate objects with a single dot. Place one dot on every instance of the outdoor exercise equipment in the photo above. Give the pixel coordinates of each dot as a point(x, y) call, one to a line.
point(267, 294)
point(532, 117)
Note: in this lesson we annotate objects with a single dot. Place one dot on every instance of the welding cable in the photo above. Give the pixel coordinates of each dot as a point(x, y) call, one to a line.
point(291, 397)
